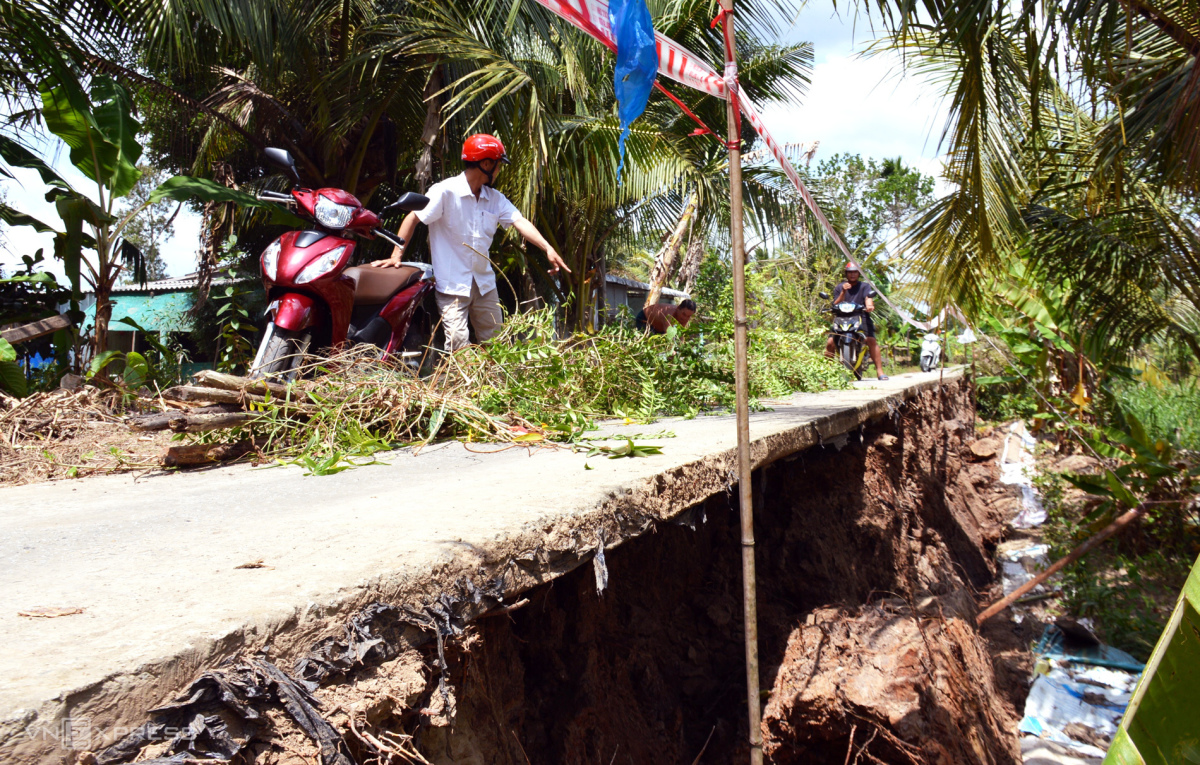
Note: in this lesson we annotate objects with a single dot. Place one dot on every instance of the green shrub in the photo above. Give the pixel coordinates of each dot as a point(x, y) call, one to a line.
point(620, 372)
point(1173, 409)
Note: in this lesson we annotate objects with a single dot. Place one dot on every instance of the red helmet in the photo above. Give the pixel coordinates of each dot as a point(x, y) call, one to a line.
point(851, 266)
point(482, 146)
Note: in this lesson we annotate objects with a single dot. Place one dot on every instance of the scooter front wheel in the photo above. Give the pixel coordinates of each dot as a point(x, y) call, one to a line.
point(850, 359)
point(280, 354)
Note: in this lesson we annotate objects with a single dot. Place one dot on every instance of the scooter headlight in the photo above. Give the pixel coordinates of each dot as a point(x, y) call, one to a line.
point(270, 260)
point(321, 266)
point(332, 215)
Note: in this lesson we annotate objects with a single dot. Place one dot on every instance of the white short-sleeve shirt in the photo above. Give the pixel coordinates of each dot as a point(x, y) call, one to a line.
point(457, 222)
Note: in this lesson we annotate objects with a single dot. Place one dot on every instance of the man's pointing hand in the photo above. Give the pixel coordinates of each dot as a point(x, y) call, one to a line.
point(556, 262)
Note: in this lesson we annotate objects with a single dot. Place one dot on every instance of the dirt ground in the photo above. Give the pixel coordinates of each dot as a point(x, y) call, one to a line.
point(71, 434)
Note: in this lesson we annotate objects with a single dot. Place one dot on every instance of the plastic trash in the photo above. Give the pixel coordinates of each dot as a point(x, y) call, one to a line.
point(1081, 690)
point(1016, 465)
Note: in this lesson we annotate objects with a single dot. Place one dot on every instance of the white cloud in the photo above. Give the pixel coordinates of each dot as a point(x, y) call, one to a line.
point(858, 104)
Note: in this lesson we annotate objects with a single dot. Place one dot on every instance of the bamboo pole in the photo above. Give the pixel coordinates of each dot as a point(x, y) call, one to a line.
point(1058, 565)
point(742, 392)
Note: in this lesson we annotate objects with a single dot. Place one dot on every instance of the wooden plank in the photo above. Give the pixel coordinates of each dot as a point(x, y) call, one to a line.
point(213, 379)
point(215, 395)
point(36, 329)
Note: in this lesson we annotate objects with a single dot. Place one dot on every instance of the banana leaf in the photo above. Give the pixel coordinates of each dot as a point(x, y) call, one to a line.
point(1161, 726)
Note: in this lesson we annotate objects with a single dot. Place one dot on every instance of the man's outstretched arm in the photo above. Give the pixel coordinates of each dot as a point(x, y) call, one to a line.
point(407, 227)
point(533, 236)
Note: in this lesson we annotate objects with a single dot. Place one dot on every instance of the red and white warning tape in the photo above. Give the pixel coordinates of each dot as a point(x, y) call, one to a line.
point(683, 66)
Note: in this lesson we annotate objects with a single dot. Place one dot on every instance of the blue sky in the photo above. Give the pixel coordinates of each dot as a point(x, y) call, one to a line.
point(855, 104)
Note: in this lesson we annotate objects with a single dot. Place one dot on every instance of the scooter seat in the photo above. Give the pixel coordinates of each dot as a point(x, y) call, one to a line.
point(373, 286)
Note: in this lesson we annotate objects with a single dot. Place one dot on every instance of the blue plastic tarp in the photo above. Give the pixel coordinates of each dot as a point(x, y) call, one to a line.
point(637, 63)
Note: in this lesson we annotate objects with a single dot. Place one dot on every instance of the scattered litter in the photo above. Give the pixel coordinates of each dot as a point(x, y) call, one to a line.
point(1032, 513)
point(1061, 643)
point(1036, 751)
point(1016, 465)
point(1081, 689)
point(599, 565)
point(49, 612)
point(1057, 702)
point(1019, 566)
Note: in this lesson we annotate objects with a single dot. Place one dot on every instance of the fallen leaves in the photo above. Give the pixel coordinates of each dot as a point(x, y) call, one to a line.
point(627, 449)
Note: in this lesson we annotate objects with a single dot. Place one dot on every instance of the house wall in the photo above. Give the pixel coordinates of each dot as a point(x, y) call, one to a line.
point(617, 295)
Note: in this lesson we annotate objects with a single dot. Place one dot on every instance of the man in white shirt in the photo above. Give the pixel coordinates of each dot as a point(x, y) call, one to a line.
point(462, 215)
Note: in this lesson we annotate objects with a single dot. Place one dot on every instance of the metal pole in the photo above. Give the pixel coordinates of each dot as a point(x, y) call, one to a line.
point(742, 391)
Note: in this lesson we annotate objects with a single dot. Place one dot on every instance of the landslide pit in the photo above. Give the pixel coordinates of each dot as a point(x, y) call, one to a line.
point(870, 557)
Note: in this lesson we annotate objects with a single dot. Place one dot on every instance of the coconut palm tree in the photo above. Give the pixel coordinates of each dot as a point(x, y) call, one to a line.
point(1068, 147)
point(372, 96)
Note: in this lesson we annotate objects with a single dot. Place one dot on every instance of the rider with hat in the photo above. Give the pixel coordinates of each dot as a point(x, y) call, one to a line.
point(463, 214)
point(858, 290)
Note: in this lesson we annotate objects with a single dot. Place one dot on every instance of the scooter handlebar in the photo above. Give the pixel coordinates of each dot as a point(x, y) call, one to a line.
point(274, 196)
point(387, 236)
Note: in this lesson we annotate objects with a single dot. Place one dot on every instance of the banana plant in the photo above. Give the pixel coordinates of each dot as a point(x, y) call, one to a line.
point(100, 130)
point(1146, 470)
point(1159, 722)
point(12, 377)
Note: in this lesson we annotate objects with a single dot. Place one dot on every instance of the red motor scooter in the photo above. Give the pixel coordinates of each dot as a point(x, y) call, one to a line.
point(314, 297)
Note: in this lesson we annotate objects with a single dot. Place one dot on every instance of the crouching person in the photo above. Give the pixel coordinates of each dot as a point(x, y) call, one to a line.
point(658, 317)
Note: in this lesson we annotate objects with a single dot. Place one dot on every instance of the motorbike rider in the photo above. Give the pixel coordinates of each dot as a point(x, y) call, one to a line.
point(463, 214)
point(855, 289)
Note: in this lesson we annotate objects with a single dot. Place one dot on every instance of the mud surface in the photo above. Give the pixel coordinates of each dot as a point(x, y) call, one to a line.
point(870, 553)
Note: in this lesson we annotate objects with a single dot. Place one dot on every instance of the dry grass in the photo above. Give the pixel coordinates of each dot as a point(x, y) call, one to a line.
point(70, 433)
point(526, 388)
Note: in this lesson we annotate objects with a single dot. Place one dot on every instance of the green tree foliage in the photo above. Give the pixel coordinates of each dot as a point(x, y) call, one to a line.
point(101, 132)
point(870, 200)
point(389, 90)
point(1068, 149)
point(150, 228)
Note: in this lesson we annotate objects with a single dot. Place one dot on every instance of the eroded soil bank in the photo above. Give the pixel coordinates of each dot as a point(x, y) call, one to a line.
point(869, 555)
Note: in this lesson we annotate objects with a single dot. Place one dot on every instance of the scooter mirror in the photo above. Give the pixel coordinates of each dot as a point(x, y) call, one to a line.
point(408, 202)
point(283, 158)
point(824, 295)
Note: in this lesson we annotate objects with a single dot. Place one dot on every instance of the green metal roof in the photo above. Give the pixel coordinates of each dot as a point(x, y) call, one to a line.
point(166, 312)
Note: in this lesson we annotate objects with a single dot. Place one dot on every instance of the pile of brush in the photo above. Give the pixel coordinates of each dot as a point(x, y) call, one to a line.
point(70, 431)
point(350, 404)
